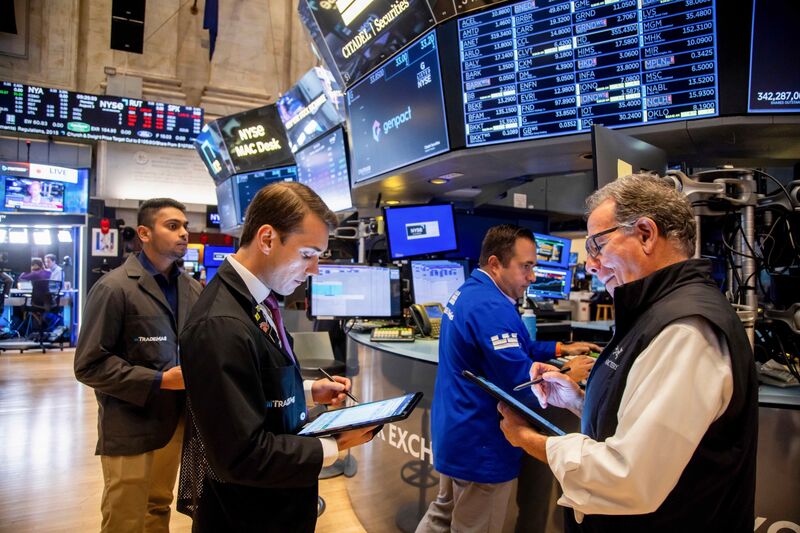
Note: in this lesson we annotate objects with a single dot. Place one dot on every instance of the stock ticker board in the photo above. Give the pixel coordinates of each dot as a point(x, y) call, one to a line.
point(540, 68)
point(45, 111)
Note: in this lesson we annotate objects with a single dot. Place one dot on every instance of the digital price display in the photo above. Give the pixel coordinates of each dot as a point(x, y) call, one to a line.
point(322, 166)
point(775, 74)
point(552, 67)
point(396, 114)
point(39, 110)
point(310, 108)
point(255, 140)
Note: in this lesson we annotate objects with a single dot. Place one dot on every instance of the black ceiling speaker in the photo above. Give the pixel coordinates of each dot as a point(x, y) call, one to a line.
point(127, 25)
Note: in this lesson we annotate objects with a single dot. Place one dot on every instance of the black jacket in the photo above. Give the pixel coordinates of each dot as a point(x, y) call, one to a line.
point(254, 474)
point(128, 335)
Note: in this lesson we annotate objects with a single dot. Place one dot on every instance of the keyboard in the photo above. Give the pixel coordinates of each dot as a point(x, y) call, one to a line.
point(436, 327)
point(392, 335)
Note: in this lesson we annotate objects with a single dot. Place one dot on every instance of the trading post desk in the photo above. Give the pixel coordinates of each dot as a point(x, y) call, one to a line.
point(395, 480)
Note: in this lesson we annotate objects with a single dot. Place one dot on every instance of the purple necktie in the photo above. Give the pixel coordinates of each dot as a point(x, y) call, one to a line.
point(272, 304)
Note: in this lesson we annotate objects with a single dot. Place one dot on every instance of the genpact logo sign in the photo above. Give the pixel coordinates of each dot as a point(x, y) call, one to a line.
point(389, 125)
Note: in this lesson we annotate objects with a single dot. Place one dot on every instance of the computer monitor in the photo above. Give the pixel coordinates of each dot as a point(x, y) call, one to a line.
point(615, 154)
point(436, 280)
point(597, 284)
point(247, 185)
point(550, 282)
point(420, 230)
point(322, 165)
point(552, 251)
point(350, 291)
point(226, 206)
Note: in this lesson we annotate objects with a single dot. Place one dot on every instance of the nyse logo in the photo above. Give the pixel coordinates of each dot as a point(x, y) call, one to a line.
point(424, 76)
point(422, 230)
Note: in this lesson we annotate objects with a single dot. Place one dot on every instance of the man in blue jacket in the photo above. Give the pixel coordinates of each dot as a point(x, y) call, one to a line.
point(482, 332)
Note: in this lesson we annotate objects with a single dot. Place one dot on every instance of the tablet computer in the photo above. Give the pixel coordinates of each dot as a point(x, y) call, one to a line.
point(541, 424)
point(362, 415)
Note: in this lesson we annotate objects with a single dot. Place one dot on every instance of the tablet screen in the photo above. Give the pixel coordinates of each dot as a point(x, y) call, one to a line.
point(365, 414)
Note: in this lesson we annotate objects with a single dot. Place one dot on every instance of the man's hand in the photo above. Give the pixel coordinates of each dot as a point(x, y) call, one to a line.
point(579, 348)
point(327, 392)
point(579, 367)
point(518, 433)
point(556, 388)
point(172, 379)
point(354, 437)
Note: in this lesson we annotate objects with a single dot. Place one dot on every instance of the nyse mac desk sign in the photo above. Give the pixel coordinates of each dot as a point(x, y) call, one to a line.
point(397, 112)
point(255, 140)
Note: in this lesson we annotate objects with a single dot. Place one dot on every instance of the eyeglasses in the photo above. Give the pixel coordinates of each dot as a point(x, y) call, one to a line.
point(593, 248)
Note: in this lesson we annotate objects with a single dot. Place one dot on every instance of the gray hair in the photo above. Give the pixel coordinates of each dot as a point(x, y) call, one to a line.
point(648, 195)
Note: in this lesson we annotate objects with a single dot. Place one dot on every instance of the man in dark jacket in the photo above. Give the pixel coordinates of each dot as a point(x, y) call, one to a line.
point(128, 352)
point(243, 468)
point(669, 419)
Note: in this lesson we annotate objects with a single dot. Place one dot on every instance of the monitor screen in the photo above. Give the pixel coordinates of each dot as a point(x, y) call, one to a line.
point(552, 251)
point(226, 205)
point(420, 230)
point(310, 108)
point(247, 185)
point(597, 284)
point(396, 114)
point(255, 140)
point(212, 216)
point(213, 256)
point(550, 283)
point(538, 69)
point(322, 165)
point(774, 75)
point(355, 291)
point(436, 281)
point(46, 188)
point(213, 153)
point(615, 154)
point(359, 35)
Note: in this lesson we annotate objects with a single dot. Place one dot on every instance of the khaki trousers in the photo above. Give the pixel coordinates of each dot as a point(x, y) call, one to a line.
point(467, 507)
point(137, 489)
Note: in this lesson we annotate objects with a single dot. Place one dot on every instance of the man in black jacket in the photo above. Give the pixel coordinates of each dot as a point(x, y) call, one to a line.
point(669, 420)
point(128, 352)
point(243, 467)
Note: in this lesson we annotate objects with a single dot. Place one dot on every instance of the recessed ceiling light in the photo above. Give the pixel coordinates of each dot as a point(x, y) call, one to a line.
point(438, 181)
point(392, 202)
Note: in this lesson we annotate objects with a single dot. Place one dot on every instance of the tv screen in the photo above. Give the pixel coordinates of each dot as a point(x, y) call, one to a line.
point(552, 251)
point(360, 35)
point(213, 256)
point(46, 188)
point(552, 283)
point(322, 165)
point(226, 205)
point(420, 230)
point(247, 185)
point(255, 140)
point(343, 291)
point(538, 69)
point(774, 75)
point(310, 108)
point(436, 281)
point(597, 284)
point(396, 114)
point(211, 149)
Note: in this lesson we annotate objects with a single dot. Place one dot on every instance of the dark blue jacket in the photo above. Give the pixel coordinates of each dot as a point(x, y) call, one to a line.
point(481, 332)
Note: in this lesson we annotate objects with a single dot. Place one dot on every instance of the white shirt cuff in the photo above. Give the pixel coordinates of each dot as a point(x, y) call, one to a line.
point(307, 383)
point(330, 451)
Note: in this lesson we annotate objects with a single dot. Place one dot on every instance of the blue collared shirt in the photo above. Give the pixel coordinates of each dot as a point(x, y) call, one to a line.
point(168, 284)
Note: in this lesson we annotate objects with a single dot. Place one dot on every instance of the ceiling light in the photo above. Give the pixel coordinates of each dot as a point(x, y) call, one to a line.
point(64, 235)
point(18, 236)
point(42, 237)
point(438, 181)
point(392, 202)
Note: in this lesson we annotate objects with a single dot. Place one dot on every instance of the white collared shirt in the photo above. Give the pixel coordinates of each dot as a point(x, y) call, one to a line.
point(259, 292)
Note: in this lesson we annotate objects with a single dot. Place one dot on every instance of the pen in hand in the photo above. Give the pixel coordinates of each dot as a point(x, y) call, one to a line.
point(330, 378)
point(538, 380)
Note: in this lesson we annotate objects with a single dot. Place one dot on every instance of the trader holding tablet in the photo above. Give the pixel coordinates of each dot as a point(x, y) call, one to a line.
point(244, 468)
point(669, 417)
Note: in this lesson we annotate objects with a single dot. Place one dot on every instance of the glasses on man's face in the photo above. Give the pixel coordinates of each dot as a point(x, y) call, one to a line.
point(592, 246)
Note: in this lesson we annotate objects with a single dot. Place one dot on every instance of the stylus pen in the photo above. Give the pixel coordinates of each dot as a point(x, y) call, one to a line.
point(330, 378)
point(538, 380)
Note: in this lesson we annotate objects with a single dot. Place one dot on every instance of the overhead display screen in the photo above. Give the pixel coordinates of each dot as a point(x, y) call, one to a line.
point(212, 151)
point(226, 206)
point(255, 140)
point(322, 166)
point(775, 72)
point(537, 69)
point(310, 108)
point(247, 185)
point(34, 187)
point(396, 114)
point(32, 109)
point(444, 9)
point(361, 34)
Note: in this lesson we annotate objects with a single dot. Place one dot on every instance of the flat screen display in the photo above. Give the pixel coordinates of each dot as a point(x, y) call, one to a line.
point(45, 188)
point(420, 230)
point(322, 165)
point(226, 206)
point(396, 114)
point(355, 291)
point(361, 34)
point(213, 256)
point(550, 283)
point(774, 73)
point(538, 69)
point(247, 185)
point(552, 251)
point(597, 284)
point(34, 109)
point(310, 108)
point(436, 281)
point(256, 140)
point(211, 149)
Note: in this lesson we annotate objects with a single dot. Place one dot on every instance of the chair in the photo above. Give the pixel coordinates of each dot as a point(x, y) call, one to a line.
point(604, 312)
point(45, 298)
